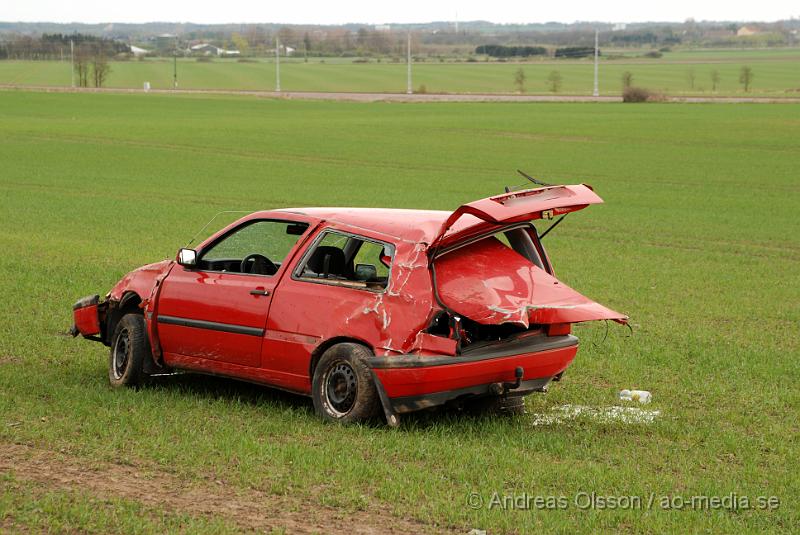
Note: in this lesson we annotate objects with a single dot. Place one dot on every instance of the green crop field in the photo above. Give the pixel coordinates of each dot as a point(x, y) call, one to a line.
point(776, 74)
point(699, 242)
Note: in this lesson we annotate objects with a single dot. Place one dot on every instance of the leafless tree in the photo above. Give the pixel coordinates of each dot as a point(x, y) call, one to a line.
point(100, 66)
point(714, 79)
point(690, 77)
point(83, 56)
point(746, 77)
point(519, 80)
point(627, 79)
point(554, 81)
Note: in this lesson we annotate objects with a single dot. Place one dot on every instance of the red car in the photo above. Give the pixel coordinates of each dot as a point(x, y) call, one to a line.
point(367, 310)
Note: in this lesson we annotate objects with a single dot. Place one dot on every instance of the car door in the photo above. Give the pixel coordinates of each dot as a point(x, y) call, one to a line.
point(217, 309)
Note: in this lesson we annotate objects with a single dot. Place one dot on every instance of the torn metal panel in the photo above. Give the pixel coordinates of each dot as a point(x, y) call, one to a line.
point(492, 284)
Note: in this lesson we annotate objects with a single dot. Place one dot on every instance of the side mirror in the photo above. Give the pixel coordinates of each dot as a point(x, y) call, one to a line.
point(187, 257)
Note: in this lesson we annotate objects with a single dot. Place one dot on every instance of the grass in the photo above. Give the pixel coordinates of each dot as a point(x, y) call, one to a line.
point(776, 74)
point(698, 242)
point(43, 510)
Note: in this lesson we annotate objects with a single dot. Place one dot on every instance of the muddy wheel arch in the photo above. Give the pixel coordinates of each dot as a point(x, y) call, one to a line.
point(130, 302)
point(329, 343)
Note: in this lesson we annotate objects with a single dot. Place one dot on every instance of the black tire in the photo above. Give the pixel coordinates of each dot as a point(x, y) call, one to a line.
point(129, 347)
point(342, 387)
point(511, 405)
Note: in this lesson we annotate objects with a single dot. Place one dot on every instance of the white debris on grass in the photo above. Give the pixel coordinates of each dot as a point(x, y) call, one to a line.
point(625, 415)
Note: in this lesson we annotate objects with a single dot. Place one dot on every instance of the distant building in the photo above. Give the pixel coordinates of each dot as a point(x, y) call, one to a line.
point(382, 28)
point(205, 49)
point(285, 50)
point(618, 27)
point(138, 52)
point(744, 31)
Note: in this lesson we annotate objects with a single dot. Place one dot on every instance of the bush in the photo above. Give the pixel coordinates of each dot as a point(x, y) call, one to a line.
point(502, 51)
point(654, 54)
point(635, 94)
point(422, 89)
point(575, 52)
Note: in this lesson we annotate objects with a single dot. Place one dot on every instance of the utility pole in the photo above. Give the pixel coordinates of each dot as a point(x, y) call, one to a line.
point(596, 91)
point(72, 60)
point(277, 65)
point(408, 60)
point(175, 65)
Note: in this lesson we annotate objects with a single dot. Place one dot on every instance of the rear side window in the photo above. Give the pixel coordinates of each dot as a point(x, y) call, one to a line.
point(348, 260)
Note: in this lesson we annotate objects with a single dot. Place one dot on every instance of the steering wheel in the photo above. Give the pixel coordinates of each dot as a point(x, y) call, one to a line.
point(261, 265)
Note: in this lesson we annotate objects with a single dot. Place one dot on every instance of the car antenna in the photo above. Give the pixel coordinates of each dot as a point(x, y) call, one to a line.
point(534, 180)
point(212, 220)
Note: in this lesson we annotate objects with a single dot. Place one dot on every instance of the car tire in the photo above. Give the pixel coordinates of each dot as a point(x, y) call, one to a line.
point(342, 386)
point(129, 347)
point(510, 405)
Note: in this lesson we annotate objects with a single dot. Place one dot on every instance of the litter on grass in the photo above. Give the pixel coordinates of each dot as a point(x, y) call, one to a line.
point(625, 415)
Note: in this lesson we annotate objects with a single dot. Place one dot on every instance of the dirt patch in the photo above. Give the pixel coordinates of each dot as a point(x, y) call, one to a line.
point(8, 359)
point(249, 509)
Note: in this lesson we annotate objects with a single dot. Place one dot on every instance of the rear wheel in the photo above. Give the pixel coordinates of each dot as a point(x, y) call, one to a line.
point(129, 347)
point(342, 387)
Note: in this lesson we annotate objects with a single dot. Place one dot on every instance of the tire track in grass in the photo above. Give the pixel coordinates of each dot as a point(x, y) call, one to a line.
point(250, 509)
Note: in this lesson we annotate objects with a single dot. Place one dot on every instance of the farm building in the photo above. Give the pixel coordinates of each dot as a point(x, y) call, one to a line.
point(206, 49)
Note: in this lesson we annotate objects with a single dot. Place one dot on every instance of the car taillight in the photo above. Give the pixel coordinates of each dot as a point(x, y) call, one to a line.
point(559, 329)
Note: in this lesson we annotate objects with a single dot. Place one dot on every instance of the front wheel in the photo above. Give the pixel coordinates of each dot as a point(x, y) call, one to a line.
point(129, 347)
point(342, 387)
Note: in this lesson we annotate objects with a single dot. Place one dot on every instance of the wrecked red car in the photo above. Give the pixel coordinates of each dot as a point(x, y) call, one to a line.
point(369, 311)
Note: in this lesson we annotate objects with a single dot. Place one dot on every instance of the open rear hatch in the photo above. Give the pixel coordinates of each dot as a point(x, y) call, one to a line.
point(490, 283)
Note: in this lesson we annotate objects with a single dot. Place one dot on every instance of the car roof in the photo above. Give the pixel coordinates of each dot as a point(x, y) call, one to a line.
point(413, 225)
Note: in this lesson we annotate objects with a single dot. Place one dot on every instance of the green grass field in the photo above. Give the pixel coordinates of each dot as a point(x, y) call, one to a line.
point(776, 74)
point(697, 242)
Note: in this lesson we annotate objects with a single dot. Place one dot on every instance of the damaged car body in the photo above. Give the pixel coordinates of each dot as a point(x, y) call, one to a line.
point(369, 311)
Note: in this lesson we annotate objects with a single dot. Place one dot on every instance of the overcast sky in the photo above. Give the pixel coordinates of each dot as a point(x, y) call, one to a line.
point(375, 12)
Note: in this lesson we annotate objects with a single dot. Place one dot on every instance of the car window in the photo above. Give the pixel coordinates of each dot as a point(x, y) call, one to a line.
point(259, 248)
point(348, 260)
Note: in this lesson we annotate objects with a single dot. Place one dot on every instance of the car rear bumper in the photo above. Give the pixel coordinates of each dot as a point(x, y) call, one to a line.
point(413, 382)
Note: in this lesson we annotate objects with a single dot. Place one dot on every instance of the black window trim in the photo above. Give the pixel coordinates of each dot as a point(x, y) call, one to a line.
point(235, 229)
point(298, 270)
point(504, 228)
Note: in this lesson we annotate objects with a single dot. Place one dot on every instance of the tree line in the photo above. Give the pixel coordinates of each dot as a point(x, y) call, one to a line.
point(55, 46)
point(505, 51)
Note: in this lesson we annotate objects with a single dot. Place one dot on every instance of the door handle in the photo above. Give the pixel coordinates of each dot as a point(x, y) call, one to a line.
point(259, 292)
